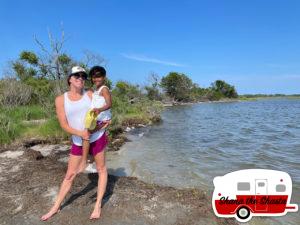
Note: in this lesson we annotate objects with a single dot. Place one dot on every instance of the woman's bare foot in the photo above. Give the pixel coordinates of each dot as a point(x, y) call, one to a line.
point(96, 213)
point(51, 213)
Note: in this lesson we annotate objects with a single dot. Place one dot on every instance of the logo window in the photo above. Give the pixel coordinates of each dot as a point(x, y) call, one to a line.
point(280, 188)
point(243, 186)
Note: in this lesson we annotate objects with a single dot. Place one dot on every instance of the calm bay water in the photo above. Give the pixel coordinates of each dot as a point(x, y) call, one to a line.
point(195, 143)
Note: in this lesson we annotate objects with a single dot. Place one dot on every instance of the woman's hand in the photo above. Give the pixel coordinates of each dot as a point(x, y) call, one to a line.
point(85, 134)
point(103, 125)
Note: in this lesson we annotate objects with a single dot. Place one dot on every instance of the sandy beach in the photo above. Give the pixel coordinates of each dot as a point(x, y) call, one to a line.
point(30, 180)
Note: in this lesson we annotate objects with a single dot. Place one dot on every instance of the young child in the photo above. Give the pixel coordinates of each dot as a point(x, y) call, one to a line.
point(100, 108)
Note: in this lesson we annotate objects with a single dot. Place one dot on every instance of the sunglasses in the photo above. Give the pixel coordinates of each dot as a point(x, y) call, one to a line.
point(80, 75)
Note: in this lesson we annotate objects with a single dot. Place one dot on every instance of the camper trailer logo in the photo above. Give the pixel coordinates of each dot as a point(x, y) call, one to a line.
point(254, 192)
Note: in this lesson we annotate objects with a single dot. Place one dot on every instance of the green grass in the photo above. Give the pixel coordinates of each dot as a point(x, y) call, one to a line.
point(9, 129)
point(18, 113)
point(49, 130)
point(52, 129)
point(13, 124)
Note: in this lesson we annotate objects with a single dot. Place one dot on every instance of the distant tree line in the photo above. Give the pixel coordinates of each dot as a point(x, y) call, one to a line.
point(181, 88)
point(36, 78)
point(268, 95)
point(35, 81)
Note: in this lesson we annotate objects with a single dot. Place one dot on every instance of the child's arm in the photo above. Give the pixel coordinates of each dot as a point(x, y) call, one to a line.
point(106, 94)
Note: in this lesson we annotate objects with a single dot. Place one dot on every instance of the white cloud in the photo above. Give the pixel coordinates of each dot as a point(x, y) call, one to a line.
point(291, 76)
point(275, 65)
point(144, 58)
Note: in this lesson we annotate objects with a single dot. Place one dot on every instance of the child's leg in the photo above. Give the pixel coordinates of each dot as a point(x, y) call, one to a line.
point(85, 152)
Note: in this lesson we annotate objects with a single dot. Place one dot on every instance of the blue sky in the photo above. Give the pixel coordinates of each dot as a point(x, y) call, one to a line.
point(252, 44)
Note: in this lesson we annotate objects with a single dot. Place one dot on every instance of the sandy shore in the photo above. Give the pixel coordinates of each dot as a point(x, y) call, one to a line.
point(30, 178)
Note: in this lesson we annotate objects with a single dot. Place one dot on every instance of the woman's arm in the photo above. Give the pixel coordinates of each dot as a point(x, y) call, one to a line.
point(61, 115)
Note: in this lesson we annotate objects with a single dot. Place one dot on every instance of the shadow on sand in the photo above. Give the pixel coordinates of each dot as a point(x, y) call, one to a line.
point(93, 177)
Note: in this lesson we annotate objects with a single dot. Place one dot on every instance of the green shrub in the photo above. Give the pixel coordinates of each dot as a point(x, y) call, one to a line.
point(126, 90)
point(9, 129)
point(14, 93)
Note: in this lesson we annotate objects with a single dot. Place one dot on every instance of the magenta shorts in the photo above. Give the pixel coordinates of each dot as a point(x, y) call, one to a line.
point(95, 147)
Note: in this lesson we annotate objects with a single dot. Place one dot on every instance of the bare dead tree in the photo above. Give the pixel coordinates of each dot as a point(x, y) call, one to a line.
point(91, 58)
point(54, 64)
point(154, 79)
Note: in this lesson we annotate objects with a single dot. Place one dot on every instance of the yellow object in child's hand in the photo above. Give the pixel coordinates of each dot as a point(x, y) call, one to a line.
point(90, 120)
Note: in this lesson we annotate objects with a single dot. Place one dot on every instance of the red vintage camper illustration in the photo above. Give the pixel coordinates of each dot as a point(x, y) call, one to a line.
point(253, 192)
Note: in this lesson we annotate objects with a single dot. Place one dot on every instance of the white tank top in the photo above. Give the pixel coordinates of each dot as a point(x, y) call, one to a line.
point(75, 114)
point(98, 101)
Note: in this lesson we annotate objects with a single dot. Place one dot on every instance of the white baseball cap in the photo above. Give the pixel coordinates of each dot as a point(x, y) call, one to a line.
point(77, 69)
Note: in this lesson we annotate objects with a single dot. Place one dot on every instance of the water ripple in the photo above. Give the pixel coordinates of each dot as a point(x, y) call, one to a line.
point(196, 143)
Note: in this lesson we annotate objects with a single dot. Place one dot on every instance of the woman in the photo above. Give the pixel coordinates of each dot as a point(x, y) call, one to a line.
point(71, 108)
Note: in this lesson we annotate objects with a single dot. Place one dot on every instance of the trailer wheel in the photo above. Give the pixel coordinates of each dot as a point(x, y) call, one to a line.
point(243, 213)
